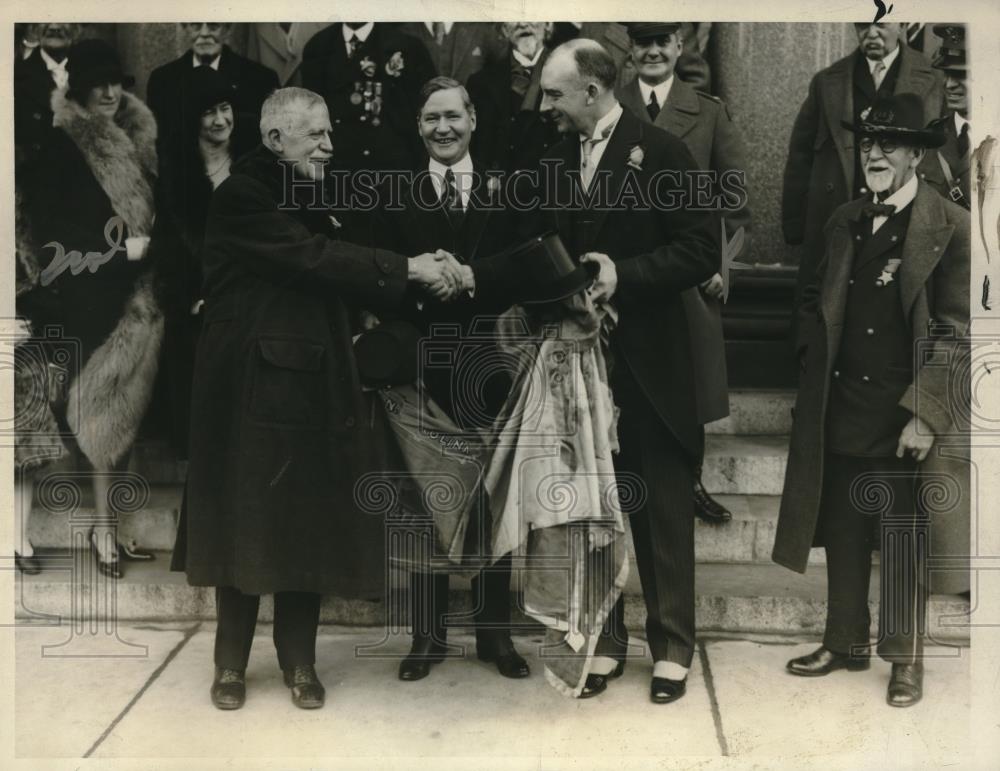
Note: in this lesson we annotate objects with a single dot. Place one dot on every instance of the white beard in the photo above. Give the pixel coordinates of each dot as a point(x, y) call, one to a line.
point(879, 182)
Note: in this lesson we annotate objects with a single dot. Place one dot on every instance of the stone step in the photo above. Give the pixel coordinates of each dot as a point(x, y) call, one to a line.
point(745, 465)
point(758, 599)
point(756, 412)
point(747, 538)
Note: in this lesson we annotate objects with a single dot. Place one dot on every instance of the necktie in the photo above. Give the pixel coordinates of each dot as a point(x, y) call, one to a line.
point(439, 32)
point(520, 78)
point(452, 199)
point(587, 166)
point(653, 107)
point(878, 74)
point(878, 210)
point(963, 141)
point(353, 45)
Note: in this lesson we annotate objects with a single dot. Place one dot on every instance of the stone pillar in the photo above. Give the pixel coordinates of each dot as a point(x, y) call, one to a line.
point(762, 71)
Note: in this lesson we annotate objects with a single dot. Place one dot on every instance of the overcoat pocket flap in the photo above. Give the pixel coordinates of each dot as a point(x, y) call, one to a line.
point(292, 354)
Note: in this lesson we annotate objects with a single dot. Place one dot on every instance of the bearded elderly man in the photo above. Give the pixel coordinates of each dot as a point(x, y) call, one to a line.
point(647, 253)
point(874, 397)
point(278, 420)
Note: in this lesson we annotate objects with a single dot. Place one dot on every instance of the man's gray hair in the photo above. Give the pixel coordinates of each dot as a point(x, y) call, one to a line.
point(281, 108)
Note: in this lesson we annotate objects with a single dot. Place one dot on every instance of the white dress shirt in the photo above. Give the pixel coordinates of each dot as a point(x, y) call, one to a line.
point(361, 33)
point(524, 61)
point(464, 177)
point(959, 122)
point(900, 199)
point(887, 61)
point(214, 64)
point(596, 153)
point(661, 91)
point(447, 27)
point(56, 69)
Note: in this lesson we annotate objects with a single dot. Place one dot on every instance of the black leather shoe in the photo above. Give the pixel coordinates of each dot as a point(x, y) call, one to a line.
point(906, 685)
point(307, 691)
point(823, 661)
point(417, 664)
point(229, 689)
point(597, 684)
point(707, 508)
point(109, 568)
point(663, 690)
point(500, 650)
point(30, 566)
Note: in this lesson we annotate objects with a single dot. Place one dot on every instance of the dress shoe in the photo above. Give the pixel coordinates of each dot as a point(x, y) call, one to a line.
point(906, 684)
point(500, 650)
point(307, 691)
point(417, 664)
point(707, 508)
point(109, 568)
point(663, 690)
point(597, 684)
point(30, 566)
point(823, 661)
point(229, 690)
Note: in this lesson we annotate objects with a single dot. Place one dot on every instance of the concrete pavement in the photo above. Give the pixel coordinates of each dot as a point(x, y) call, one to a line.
point(144, 694)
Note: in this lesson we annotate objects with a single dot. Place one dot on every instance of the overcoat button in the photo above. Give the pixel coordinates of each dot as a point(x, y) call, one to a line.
point(349, 422)
point(850, 281)
point(836, 373)
point(366, 152)
point(381, 282)
point(870, 331)
point(829, 187)
point(865, 378)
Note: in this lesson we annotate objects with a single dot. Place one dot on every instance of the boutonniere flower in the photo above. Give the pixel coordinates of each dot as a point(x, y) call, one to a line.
point(635, 157)
point(394, 67)
point(367, 67)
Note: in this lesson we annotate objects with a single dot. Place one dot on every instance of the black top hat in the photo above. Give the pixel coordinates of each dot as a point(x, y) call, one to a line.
point(550, 274)
point(951, 55)
point(900, 116)
point(388, 354)
point(644, 30)
point(92, 63)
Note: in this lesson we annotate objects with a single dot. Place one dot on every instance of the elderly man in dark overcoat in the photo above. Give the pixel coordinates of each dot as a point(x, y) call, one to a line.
point(823, 168)
point(279, 426)
point(878, 400)
point(648, 252)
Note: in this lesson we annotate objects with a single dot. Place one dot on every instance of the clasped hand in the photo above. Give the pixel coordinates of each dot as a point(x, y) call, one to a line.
point(441, 275)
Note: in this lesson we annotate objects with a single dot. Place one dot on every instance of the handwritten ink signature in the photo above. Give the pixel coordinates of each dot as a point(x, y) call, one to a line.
point(77, 262)
point(880, 10)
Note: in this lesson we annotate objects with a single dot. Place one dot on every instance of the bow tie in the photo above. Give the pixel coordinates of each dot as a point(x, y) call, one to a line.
point(878, 210)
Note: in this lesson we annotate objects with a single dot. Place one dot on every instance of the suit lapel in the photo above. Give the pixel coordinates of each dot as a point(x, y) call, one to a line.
point(837, 103)
point(926, 240)
point(878, 243)
point(680, 114)
point(917, 78)
point(274, 37)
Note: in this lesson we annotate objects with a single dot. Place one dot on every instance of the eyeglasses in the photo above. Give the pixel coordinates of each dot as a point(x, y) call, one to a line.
point(887, 145)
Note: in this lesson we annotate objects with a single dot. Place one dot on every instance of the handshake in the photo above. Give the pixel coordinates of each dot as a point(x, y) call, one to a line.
point(440, 275)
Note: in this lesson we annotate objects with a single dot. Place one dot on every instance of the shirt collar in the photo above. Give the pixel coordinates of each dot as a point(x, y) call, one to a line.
point(447, 27)
point(904, 196)
point(609, 119)
point(461, 167)
point(523, 60)
point(660, 90)
point(887, 61)
point(51, 64)
point(214, 64)
point(361, 33)
point(959, 122)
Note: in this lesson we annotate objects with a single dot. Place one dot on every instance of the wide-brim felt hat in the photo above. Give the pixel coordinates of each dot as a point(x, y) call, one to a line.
point(549, 273)
point(92, 63)
point(388, 354)
point(645, 30)
point(900, 117)
point(207, 88)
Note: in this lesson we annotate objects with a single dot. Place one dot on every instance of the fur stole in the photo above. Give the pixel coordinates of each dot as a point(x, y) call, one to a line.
point(120, 152)
point(108, 400)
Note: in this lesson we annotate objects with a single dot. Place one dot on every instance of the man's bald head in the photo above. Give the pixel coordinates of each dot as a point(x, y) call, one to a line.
point(578, 82)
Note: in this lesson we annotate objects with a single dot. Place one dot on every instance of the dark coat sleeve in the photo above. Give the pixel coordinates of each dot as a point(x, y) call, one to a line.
point(246, 227)
point(690, 254)
point(798, 167)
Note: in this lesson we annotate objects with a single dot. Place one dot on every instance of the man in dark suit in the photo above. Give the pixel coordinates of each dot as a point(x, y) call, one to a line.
point(955, 155)
point(34, 80)
point(703, 123)
point(459, 49)
point(648, 251)
point(169, 85)
point(823, 166)
point(370, 75)
point(877, 392)
point(511, 134)
point(451, 206)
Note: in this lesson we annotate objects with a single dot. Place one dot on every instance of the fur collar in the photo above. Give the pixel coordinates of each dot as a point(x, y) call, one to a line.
point(120, 152)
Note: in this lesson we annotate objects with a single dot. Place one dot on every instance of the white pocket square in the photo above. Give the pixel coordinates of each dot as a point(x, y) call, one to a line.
point(477, 51)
